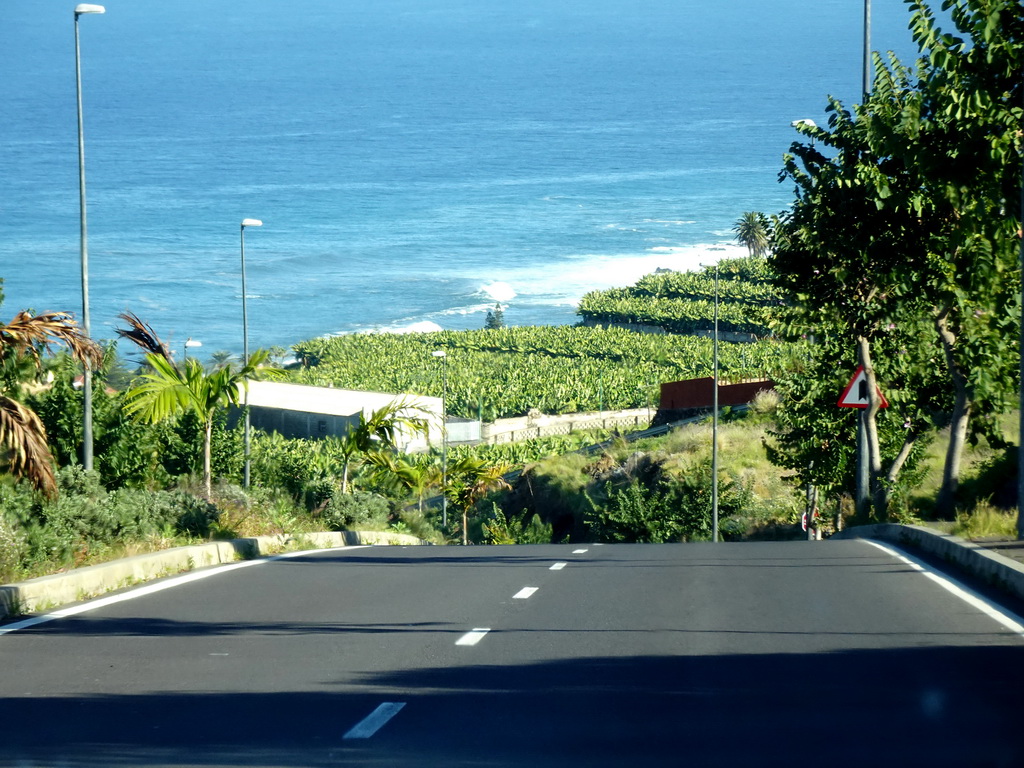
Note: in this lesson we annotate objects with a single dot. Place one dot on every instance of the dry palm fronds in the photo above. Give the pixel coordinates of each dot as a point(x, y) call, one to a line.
point(28, 455)
point(144, 336)
point(28, 335)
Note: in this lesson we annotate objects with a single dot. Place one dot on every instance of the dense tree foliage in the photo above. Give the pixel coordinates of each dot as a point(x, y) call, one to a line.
point(23, 343)
point(901, 246)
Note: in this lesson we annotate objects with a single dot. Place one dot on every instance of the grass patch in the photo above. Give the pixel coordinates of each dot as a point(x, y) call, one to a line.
point(985, 522)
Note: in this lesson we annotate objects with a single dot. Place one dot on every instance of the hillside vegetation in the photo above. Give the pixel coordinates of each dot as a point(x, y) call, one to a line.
point(684, 302)
point(506, 372)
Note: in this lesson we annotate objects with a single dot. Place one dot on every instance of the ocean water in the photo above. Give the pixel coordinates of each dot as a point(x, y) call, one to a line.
point(413, 161)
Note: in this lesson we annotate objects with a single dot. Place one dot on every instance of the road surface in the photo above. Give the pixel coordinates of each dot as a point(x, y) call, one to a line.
point(755, 654)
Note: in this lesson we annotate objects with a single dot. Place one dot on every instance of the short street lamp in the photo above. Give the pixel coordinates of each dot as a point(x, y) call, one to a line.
point(714, 421)
point(80, 10)
point(444, 435)
point(245, 348)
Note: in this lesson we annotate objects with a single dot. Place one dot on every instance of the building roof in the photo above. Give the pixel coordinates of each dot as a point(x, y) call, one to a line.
point(327, 400)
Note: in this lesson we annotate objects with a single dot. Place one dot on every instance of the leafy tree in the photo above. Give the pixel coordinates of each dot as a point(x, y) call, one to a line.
point(752, 230)
point(495, 318)
point(969, 152)
point(22, 344)
point(904, 221)
point(127, 452)
point(841, 255)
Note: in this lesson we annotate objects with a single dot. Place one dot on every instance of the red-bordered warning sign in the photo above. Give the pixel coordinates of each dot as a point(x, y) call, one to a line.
point(856, 393)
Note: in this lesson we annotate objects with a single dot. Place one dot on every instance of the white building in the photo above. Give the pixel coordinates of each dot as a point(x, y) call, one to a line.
point(298, 410)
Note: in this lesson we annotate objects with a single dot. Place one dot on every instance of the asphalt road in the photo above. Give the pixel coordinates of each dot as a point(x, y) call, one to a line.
point(774, 654)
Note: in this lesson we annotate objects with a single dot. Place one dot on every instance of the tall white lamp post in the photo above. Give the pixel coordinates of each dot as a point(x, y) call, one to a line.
point(714, 420)
point(867, 49)
point(245, 347)
point(444, 436)
point(83, 240)
point(714, 427)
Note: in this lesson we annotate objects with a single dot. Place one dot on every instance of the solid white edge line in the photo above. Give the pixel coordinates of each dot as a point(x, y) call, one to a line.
point(524, 593)
point(1008, 620)
point(376, 720)
point(557, 566)
point(473, 637)
point(160, 586)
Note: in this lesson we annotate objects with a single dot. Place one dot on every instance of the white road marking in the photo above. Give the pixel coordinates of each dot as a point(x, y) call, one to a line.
point(473, 637)
point(579, 551)
point(160, 586)
point(524, 593)
point(968, 595)
point(375, 720)
point(558, 566)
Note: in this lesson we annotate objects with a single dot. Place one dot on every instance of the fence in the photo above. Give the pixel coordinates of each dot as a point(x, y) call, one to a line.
point(513, 430)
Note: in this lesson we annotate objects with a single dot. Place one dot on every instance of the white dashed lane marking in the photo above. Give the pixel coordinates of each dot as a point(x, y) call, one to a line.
point(558, 566)
point(524, 593)
point(473, 637)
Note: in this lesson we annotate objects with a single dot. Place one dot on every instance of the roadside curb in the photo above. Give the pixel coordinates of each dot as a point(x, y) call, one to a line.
point(999, 571)
point(48, 592)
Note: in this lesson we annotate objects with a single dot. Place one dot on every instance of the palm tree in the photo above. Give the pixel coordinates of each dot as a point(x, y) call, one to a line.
point(22, 436)
point(221, 357)
point(752, 231)
point(416, 478)
point(169, 391)
point(376, 434)
point(469, 481)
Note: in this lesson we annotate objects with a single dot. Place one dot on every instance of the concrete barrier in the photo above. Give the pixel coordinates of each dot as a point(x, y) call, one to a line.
point(993, 568)
point(47, 592)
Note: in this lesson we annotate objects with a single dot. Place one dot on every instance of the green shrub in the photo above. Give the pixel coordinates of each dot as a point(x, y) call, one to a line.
point(356, 510)
point(196, 516)
point(419, 524)
point(13, 549)
point(633, 514)
point(502, 529)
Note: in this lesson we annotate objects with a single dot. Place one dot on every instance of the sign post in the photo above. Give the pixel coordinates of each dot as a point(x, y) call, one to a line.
point(856, 396)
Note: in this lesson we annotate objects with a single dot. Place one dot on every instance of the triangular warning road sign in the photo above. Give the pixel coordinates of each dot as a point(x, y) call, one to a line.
point(856, 393)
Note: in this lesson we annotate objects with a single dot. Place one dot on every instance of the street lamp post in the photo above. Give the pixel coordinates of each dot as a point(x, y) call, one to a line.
point(81, 9)
point(714, 419)
point(714, 427)
point(867, 49)
point(444, 436)
point(245, 348)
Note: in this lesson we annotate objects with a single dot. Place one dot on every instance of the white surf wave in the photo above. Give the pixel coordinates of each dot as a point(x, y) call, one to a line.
point(499, 291)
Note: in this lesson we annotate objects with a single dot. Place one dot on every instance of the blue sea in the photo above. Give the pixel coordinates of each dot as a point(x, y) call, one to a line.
point(413, 161)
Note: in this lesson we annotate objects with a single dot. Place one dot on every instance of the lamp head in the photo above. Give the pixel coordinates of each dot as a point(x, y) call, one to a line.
point(88, 8)
point(252, 223)
point(439, 353)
